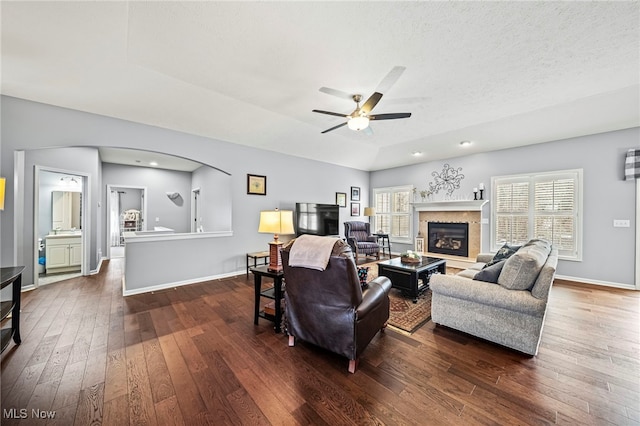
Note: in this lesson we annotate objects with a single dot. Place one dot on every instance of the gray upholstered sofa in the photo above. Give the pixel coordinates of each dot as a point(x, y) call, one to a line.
point(509, 312)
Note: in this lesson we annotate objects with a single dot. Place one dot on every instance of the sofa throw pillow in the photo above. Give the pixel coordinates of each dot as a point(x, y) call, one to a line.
point(491, 273)
point(505, 252)
point(521, 270)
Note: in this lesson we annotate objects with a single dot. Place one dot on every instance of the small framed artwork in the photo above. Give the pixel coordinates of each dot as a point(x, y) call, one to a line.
point(341, 199)
point(355, 209)
point(256, 184)
point(355, 193)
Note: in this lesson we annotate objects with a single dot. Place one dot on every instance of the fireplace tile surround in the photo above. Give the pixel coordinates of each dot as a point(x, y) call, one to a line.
point(469, 212)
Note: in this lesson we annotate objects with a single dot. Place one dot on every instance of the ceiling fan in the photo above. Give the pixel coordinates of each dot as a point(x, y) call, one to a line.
point(360, 117)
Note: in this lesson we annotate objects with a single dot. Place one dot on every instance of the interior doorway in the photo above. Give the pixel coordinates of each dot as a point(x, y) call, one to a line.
point(60, 224)
point(126, 207)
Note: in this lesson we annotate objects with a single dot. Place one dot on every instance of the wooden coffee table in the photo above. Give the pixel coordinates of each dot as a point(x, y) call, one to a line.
point(407, 276)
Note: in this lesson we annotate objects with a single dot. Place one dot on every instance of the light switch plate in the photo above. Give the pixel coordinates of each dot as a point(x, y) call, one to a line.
point(621, 223)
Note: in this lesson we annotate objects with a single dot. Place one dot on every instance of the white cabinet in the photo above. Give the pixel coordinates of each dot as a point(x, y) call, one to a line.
point(63, 253)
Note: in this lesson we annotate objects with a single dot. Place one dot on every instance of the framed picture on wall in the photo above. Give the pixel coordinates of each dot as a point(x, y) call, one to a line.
point(341, 199)
point(355, 209)
point(355, 193)
point(256, 184)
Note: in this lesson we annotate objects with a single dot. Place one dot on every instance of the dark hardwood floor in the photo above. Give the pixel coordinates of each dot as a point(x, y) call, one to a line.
point(193, 356)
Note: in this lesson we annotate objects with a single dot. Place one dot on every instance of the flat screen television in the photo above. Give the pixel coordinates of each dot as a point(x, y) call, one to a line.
point(317, 219)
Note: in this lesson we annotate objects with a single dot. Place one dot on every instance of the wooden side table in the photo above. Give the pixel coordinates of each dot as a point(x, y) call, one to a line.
point(255, 256)
point(274, 293)
point(11, 275)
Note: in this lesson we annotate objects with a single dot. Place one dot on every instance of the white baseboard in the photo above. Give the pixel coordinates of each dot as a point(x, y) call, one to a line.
point(596, 282)
point(170, 285)
point(98, 268)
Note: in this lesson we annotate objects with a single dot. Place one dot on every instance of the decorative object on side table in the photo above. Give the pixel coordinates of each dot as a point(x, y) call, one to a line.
point(276, 222)
point(410, 257)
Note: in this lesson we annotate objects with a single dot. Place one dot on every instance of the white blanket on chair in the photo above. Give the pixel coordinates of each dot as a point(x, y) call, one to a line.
point(310, 251)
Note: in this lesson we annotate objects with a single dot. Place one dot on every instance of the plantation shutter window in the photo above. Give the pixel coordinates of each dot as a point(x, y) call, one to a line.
point(545, 205)
point(393, 213)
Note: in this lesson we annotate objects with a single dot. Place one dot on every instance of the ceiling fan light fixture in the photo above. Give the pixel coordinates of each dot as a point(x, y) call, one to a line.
point(360, 122)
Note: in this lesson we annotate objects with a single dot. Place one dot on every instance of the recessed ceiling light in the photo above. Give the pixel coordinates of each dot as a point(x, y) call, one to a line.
point(465, 144)
point(416, 153)
point(153, 163)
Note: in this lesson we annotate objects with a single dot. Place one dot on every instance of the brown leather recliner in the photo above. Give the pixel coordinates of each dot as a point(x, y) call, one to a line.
point(329, 308)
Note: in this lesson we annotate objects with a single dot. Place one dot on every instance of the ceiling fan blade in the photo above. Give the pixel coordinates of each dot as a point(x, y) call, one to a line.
point(337, 114)
point(335, 92)
point(371, 103)
point(390, 79)
point(335, 127)
point(392, 116)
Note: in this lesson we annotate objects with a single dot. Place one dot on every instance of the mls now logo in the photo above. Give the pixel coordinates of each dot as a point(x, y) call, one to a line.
point(23, 413)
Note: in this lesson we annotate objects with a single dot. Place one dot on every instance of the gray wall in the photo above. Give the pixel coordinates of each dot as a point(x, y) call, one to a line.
point(73, 160)
point(31, 125)
point(608, 252)
point(172, 214)
point(215, 198)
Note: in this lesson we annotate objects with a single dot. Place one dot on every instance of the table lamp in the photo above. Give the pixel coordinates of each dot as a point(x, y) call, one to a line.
point(3, 182)
point(276, 222)
point(369, 211)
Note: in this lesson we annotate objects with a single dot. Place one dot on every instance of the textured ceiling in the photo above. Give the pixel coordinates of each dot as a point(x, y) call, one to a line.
point(500, 74)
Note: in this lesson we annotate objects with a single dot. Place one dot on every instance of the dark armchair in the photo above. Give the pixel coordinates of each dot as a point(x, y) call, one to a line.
point(359, 237)
point(329, 309)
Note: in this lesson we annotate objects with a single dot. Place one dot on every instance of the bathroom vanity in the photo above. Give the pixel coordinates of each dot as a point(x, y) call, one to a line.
point(63, 252)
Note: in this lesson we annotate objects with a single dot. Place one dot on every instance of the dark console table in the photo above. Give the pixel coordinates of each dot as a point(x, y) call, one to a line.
point(407, 276)
point(385, 243)
point(274, 293)
point(11, 275)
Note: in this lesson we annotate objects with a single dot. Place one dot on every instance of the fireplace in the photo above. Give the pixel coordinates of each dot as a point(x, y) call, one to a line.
point(448, 238)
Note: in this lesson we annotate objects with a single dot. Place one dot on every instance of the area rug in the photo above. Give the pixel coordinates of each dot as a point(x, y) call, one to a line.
point(403, 313)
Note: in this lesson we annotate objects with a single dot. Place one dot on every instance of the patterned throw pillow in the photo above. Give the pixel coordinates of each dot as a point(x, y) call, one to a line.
point(363, 271)
point(505, 252)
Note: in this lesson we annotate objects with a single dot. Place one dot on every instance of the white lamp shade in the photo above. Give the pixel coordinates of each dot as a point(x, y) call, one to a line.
point(369, 211)
point(276, 222)
point(358, 123)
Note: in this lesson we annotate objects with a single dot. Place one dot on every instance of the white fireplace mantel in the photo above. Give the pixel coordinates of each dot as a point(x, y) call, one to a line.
point(451, 205)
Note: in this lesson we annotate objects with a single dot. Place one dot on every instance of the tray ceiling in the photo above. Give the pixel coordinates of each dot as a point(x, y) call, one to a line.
point(500, 74)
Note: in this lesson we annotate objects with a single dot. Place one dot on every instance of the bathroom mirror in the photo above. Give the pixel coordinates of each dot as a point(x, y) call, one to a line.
point(66, 210)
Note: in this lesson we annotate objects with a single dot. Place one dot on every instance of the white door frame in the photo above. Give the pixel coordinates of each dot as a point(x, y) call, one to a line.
point(195, 207)
point(112, 187)
point(84, 224)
